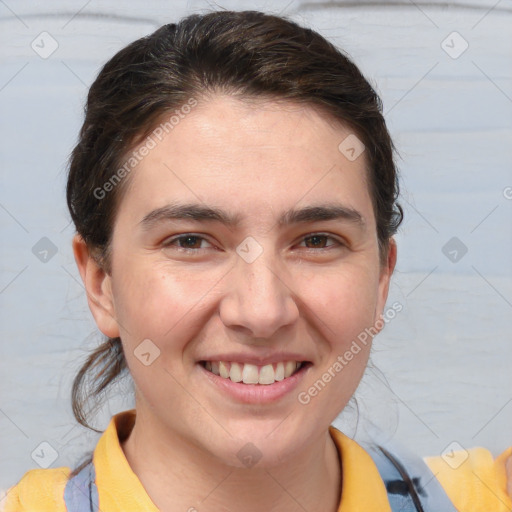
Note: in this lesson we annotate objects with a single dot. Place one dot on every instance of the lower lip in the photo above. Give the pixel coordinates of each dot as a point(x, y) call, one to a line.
point(257, 393)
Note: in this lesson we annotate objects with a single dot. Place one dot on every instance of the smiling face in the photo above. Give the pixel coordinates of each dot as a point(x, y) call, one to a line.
point(245, 237)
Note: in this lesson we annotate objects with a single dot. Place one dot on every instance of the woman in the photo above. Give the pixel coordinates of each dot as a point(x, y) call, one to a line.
point(234, 195)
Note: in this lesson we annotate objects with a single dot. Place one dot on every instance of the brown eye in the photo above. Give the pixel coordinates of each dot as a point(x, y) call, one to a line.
point(190, 242)
point(186, 242)
point(319, 241)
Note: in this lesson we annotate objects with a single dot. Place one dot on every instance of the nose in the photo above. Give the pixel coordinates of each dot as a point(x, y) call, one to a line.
point(259, 300)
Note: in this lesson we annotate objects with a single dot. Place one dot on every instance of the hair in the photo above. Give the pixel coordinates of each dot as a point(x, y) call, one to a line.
point(246, 54)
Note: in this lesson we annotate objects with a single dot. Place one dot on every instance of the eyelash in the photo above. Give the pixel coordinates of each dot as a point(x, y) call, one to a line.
point(171, 241)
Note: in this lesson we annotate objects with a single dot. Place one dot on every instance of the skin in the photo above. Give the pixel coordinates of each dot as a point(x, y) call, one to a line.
point(256, 159)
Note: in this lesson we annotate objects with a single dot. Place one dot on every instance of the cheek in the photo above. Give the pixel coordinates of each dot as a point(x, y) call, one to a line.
point(344, 300)
point(344, 306)
point(161, 304)
point(163, 307)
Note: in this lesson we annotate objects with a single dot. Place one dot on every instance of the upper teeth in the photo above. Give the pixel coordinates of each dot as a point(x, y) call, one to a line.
point(252, 374)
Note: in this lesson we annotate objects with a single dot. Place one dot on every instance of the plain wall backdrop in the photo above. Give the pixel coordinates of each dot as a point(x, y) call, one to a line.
point(445, 76)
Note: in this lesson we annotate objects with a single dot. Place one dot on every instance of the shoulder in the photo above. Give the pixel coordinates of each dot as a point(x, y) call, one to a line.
point(39, 490)
point(474, 480)
point(466, 480)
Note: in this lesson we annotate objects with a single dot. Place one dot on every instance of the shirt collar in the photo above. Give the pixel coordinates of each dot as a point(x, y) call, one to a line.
point(119, 488)
point(362, 487)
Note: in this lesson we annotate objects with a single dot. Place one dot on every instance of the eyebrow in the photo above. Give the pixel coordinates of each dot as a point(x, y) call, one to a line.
point(201, 212)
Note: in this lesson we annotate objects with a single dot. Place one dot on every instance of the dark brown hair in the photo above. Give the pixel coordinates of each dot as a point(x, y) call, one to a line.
point(247, 54)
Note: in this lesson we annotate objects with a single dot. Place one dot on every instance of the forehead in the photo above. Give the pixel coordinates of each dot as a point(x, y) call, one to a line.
point(251, 155)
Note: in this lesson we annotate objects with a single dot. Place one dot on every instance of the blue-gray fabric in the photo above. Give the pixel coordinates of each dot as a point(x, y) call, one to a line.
point(410, 484)
point(81, 493)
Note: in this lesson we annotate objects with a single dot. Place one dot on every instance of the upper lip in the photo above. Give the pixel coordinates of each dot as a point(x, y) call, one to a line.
point(256, 360)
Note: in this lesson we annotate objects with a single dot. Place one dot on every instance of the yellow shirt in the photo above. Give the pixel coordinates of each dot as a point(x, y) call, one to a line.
point(119, 489)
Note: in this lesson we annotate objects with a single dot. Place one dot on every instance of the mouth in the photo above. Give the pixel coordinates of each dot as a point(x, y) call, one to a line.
point(245, 373)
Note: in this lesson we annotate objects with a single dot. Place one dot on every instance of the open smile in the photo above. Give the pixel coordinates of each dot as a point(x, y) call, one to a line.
point(251, 383)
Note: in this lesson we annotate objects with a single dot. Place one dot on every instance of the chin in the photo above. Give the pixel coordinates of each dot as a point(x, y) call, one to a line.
point(263, 446)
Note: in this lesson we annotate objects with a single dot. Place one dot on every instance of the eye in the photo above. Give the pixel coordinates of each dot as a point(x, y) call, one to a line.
point(189, 242)
point(318, 241)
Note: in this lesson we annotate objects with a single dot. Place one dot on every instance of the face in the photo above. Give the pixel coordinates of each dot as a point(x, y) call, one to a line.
point(244, 244)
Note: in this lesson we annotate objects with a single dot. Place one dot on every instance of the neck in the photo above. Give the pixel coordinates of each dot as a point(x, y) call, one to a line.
point(178, 475)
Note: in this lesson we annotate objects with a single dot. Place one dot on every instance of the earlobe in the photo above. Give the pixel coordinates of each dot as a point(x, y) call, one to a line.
point(98, 286)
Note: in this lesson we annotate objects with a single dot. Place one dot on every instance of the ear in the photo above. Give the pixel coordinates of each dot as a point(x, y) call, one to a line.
point(98, 286)
point(385, 278)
